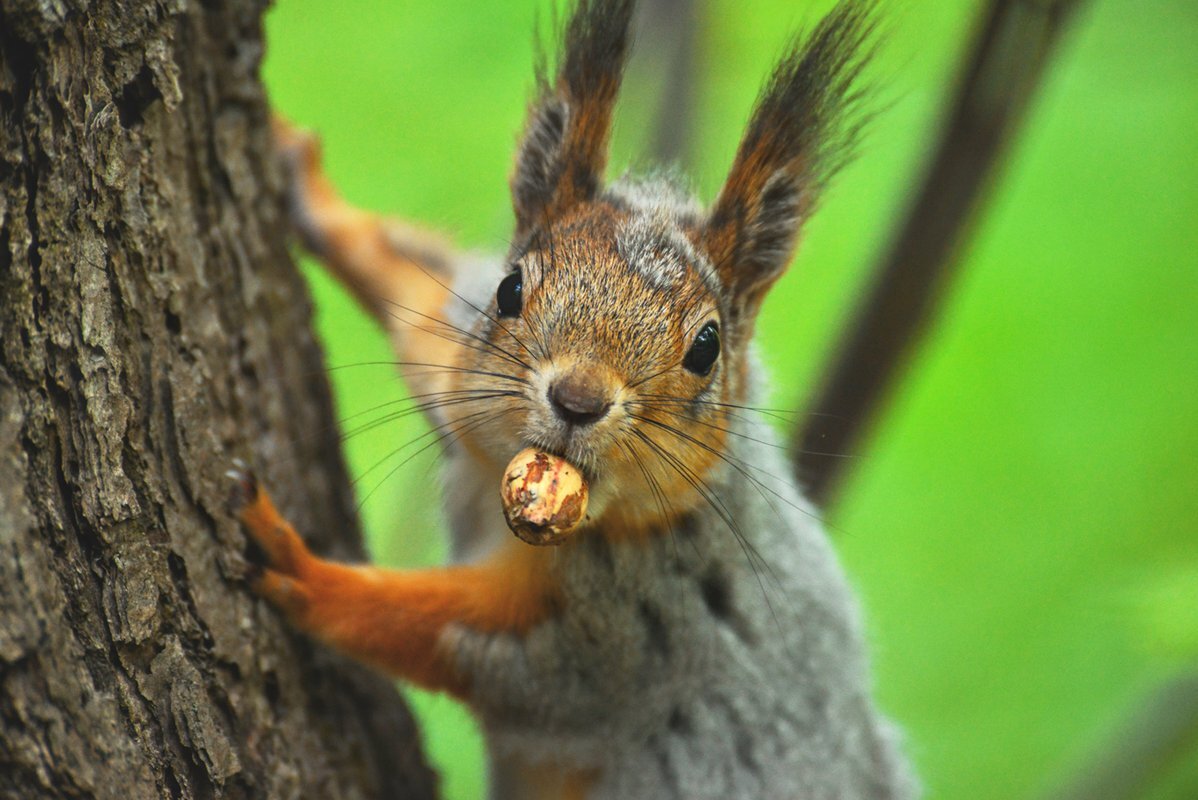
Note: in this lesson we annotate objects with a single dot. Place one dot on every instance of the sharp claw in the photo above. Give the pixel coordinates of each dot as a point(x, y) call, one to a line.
point(300, 147)
point(301, 156)
point(253, 571)
point(245, 486)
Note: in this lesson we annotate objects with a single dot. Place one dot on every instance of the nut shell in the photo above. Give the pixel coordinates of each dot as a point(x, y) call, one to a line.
point(544, 497)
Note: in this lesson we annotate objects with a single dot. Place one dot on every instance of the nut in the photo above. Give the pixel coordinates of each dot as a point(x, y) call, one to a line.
point(544, 497)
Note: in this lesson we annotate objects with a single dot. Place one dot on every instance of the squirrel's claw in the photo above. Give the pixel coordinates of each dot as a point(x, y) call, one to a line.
point(300, 147)
point(305, 182)
point(284, 592)
point(248, 501)
point(244, 489)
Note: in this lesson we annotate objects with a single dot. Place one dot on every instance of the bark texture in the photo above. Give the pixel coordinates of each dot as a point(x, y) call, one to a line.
point(153, 327)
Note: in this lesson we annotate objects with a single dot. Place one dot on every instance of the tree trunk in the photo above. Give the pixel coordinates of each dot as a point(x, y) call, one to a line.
point(152, 328)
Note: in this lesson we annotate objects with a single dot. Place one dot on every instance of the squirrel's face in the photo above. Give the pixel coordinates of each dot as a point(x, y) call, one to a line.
point(606, 339)
point(618, 337)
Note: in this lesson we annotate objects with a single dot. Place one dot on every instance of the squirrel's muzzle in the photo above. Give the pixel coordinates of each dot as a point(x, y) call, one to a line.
point(581, 396)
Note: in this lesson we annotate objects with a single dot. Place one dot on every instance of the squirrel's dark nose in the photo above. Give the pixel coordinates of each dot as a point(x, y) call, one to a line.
point(580, 397)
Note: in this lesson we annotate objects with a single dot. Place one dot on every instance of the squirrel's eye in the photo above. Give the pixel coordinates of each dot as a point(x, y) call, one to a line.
point(510, 297)
point(704, 350)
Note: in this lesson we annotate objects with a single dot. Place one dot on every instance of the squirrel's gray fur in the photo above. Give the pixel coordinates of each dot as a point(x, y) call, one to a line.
point(723, 656)
point(709, 662)
point(683, 670)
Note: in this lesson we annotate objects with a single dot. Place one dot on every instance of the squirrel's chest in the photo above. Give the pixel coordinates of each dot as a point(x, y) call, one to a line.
point(678, 665)
point(630, 604)
point(663, 665)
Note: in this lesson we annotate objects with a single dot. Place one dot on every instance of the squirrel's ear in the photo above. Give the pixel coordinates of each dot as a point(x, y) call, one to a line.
point(802, 130)
point(563, 152)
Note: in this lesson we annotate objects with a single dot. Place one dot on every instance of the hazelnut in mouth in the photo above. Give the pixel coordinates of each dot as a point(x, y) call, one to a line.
point(544, 497)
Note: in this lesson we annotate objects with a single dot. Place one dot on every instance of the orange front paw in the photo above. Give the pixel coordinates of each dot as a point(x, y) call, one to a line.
point(310, 197)
point(281, 581)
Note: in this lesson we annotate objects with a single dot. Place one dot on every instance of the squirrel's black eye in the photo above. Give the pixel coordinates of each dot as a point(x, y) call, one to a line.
point(704, 350)
point(510, 297)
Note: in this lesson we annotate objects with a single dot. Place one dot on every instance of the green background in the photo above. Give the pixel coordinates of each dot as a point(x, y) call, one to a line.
point(1023, 525)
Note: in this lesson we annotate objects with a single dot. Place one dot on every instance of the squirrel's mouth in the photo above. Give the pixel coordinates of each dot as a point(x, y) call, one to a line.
point(579, 456)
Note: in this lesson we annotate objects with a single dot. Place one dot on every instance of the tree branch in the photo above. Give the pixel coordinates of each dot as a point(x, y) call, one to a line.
point(1144, 748)
point(153, 326)
point(671, 28)
point(1014, 47)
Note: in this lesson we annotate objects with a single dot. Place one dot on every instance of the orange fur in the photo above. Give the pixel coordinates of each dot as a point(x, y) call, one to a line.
point(400, 274)
point(545, 782)
point(615, 290)
point(394, 619)
point(585, 145)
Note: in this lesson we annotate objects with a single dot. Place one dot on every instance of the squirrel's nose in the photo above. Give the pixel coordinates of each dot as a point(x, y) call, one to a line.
point(580, 397)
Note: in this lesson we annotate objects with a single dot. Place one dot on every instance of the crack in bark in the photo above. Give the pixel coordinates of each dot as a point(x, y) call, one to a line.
point(151, 325)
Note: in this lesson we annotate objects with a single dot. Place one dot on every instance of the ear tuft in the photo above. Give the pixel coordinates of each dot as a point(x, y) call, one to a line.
point(535, 176)
point(563, 152)
point(804, 128)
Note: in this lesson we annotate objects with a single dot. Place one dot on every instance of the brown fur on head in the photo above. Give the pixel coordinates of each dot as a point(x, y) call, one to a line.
point(612, 300)
point(601, 335)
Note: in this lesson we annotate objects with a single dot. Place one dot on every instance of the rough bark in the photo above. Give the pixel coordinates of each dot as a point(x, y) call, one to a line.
point(152, 327)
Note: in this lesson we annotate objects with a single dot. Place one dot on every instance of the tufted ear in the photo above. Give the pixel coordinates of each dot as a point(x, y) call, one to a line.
point(802, 130)
point(563, 152)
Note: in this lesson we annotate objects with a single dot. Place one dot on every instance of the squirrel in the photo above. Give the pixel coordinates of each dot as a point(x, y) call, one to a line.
point(696, 638)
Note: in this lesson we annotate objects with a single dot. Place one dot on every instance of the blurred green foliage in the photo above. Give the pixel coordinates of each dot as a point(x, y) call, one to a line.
point(1024, 523)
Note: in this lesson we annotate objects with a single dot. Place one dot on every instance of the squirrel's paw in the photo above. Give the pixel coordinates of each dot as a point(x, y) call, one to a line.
point(281, 579)
point(243, 490)
point(307, 190)
point(300, 148)
point(251, 504)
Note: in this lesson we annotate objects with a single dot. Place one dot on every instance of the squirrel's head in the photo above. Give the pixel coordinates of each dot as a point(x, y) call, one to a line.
point(619, 335)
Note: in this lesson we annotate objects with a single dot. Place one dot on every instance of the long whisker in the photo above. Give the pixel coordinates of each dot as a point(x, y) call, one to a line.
point(665, 408)
point(736, 463)
point(468, 422)
point(716, 404)
point(434, 369)
point(654, 487)
point(425, 402)
point(755, 560)
point(638, 381)
point(701, 486)
point(469, 335)
point(664, 506)
point(432, 431)
point(743, 467)
point(424, 408)
point(494, 320)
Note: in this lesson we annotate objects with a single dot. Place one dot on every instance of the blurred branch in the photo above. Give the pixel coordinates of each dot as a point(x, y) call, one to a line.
point(670, 28)
point(1006, 65)
point(1145, 747)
